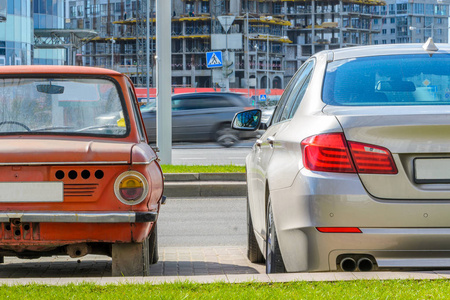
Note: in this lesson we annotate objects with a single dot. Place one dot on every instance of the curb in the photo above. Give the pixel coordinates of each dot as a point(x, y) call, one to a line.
point(232, 278)
point(205, 185)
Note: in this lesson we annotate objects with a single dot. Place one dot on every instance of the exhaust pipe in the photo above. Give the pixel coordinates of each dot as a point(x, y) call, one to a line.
point(348, 264)
point(78, 250)
point(365, 264)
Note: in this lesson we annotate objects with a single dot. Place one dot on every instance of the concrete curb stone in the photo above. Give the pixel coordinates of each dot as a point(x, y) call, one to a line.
point(205, 185)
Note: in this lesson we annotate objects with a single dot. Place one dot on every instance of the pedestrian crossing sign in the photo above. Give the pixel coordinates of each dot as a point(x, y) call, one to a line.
point(214, 59)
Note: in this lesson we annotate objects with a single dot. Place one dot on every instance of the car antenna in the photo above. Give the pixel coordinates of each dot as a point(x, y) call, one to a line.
point(429, 45)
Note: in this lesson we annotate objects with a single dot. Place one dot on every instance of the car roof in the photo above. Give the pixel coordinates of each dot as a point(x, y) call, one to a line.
point(44, 69)
point(208, 94)
point(381, 50)
point(205, 94)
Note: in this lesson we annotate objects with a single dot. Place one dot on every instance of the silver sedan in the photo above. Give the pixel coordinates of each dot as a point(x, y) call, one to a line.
point(353, 171)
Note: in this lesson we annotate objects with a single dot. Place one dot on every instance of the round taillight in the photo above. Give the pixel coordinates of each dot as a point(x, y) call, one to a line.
point(131, 187)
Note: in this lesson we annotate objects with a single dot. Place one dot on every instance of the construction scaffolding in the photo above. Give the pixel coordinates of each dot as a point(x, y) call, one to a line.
point(268, 39)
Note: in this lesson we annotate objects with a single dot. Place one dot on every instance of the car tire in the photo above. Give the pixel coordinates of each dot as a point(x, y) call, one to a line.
point(274, 260)
point(254, 254)
point(153, 245)
point(226, 136)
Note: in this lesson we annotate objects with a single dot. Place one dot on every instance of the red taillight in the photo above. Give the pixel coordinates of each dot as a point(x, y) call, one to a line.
point(330, 153)
point(371, 159)
point(339, 229)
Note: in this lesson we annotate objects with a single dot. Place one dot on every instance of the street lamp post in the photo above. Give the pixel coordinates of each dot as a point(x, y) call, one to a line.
point(256, 72)
point(112, 53)
point(267, 64)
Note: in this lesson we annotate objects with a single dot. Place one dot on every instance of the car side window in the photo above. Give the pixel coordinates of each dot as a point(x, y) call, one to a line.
point(136, 113)
point(297, 93)
point(287, 92)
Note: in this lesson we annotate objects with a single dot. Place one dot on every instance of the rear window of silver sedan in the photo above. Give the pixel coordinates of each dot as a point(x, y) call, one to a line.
point(388, 80)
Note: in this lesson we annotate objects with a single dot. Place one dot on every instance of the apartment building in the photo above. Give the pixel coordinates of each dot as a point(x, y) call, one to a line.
point(411, 22)
point(266, 41)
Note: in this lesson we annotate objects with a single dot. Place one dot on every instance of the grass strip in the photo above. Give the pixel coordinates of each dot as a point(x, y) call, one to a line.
point(358, 289)
point(203, 169)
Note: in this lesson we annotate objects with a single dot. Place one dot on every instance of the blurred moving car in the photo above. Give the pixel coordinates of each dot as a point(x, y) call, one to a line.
point(198, 117)
point(76, 173)
point(353, 172)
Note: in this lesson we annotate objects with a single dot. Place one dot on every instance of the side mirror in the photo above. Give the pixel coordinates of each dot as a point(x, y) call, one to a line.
point(247, 120)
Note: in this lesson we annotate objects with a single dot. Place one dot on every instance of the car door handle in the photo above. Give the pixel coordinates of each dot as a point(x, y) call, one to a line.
point(258, 143)
point(271, 140)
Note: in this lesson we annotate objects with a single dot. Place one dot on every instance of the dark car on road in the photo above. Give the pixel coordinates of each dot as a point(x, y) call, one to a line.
point(199, 117)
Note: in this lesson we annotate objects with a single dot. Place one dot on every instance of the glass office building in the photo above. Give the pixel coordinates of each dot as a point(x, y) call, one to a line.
point(18, 20)
point(48, 14)
point(16, 33)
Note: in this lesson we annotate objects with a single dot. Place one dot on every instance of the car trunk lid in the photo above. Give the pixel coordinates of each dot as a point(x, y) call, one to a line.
point(418, 138)
point(23, 151)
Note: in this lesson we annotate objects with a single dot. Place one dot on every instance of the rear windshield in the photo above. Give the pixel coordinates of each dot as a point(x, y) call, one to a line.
point(388, 80)
point(73, 106)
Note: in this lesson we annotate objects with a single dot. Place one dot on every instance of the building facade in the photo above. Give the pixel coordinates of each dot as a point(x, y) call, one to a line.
point(265, 41)
point(47, 15)
point(16, 32)
point(411, 22)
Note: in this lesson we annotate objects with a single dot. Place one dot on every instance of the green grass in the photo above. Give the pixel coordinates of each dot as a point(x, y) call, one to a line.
point(360, 289)
point(203, 169)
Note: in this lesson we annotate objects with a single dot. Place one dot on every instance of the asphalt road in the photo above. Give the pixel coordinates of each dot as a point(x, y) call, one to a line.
point(203, 222)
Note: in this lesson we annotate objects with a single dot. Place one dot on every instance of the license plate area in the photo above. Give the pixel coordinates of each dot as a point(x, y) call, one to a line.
point(31, 192)
point(432, 170)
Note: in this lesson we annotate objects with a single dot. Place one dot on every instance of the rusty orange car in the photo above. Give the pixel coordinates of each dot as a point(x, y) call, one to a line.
point(76, 172)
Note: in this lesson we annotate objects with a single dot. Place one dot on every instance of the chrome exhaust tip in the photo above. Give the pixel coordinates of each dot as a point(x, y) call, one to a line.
point(348, 264)
point(365, 264)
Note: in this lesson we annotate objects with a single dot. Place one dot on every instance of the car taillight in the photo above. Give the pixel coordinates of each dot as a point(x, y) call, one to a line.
point(330, 153)
point(131, 187)
point(339, 229)
point(371, 159)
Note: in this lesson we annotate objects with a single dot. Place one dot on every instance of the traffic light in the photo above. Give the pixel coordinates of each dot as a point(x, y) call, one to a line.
point(228, 68)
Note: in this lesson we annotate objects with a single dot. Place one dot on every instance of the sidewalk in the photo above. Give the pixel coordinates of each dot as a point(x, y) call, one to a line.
point(202, 265)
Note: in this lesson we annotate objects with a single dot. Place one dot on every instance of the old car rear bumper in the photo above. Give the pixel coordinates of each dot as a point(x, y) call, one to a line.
point(79, 217)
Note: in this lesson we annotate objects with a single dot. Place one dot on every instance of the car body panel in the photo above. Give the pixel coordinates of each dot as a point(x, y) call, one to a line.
point(87, 165)
point(407, 135)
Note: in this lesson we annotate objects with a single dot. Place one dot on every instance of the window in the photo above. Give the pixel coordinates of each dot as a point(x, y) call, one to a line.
point(392, 30)
point(392, 20)
point(384, 42)
point(384, 31)
point(375, 42)
point(418, 8)
point(418, 20)
point(402, 8)
point(136, 113)
point(392, 9)
point(81, 106)
point(384, 21)
point(293, 87)
point(80, 11)
point(388, 80)
point(392, 41)
point(297, 93)
point(375, 21)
